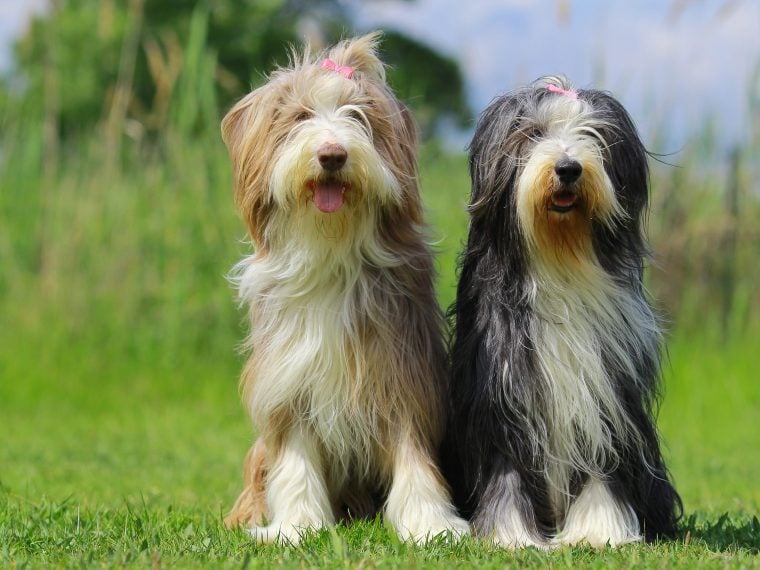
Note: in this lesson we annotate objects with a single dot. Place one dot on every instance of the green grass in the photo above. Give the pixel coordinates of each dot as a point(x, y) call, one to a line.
point(138, 535)
point(709, 419)
point(141, 468)
point(122, 434)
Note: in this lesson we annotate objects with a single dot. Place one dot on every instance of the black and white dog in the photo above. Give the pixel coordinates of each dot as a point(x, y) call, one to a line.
point(556, 350)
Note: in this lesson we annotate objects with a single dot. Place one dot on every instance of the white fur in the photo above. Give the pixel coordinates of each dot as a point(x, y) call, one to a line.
point(598, 518)
point(577, 313)
point(303, 311)
point(418, 505)
point(511, 531)
point(296, 492)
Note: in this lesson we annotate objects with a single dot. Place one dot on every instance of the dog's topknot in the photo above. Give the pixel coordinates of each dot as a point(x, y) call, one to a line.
point(361, 54)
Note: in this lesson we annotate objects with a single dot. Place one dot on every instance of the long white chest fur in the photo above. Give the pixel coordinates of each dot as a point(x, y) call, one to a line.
point(587, 332)
point(314, 359)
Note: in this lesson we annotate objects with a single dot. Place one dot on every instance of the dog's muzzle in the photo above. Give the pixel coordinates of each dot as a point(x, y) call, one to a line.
point(329, 190)
point(568, 171)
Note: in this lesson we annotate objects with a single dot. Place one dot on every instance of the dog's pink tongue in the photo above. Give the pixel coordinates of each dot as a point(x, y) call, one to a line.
point(328, 196)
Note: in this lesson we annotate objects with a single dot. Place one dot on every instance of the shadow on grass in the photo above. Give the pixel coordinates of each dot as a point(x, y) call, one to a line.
point(724, 534)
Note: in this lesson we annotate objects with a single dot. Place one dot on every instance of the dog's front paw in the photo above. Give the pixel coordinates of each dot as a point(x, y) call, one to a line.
point(514, 539)
point(597, 538)
point(281, 533)
point(599, 519)
point(425, 528)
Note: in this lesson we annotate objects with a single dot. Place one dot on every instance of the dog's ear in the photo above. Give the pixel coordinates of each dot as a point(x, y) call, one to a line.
point(406, 137)
point(408, 142)
point(361, 54)
point(245, 131)
point(626, 161)
point(399, 148)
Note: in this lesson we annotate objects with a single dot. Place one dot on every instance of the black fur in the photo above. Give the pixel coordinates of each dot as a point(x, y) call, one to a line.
point(489, 454)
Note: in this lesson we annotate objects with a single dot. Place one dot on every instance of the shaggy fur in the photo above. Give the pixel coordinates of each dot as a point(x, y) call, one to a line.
point(346, 377)
point(556, 351)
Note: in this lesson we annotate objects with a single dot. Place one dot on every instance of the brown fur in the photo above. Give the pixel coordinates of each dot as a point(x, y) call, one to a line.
point(395, 353)
point(251, 508)
point(564, 239)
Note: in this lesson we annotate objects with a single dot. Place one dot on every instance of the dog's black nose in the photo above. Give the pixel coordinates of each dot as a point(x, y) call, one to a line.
point(332, 156)
point(568, 170)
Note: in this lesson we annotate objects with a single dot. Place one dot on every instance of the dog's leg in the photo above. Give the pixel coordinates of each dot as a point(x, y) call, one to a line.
point(251, 506)
point(419, 506)
point(296, 492)
point(505, 514)
point(598, 518)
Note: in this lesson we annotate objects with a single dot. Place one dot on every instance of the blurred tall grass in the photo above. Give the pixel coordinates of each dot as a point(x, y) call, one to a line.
point(119, 240)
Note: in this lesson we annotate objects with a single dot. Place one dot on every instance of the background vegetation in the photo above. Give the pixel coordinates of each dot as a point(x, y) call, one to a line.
point(122, 436)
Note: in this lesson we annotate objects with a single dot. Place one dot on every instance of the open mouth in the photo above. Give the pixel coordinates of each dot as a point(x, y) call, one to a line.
point(563, 201)
point(328, 193)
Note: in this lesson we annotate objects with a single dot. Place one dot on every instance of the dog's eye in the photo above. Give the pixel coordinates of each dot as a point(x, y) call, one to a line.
point(302, 116)
point(355, 115)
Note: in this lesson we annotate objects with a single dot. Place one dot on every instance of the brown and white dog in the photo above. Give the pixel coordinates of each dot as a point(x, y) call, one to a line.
point(346, 375)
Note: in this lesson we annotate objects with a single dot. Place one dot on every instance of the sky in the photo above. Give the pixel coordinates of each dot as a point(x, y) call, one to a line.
point(14, 15)
point(671, 62)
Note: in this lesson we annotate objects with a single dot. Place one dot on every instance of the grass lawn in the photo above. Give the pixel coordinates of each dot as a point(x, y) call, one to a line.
point(116, 453)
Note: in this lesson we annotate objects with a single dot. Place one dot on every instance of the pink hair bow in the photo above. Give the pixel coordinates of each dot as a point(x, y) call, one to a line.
point(344, 70)
point(565, 92)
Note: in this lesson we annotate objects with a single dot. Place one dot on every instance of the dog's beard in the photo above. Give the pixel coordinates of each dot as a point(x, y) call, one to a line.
point(329, 205)
point(556, 218)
